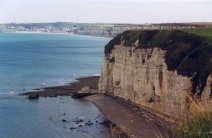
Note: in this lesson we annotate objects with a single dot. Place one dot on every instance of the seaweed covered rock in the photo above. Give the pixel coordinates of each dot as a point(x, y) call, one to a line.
point(33, 96)
point(83, 92)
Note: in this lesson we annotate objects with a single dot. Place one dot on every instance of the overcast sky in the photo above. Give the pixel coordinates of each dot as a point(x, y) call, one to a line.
point(106, 11)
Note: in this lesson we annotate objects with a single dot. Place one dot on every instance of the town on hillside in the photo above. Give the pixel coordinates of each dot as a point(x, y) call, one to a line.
point(95, 29)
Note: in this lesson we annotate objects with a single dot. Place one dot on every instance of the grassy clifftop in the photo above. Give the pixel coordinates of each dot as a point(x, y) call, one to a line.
point(188, 53)
point(205, 32)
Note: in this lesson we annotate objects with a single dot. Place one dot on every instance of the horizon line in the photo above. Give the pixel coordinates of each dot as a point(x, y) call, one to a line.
point(187, 22)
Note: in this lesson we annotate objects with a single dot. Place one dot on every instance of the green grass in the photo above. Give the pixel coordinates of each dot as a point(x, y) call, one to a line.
point(205, 32)
point(198, 127)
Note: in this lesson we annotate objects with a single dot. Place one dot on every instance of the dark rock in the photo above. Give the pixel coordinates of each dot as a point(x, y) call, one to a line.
point(33, 97)
point(84, 131)
point(81, 95)
point(64, 120)
point(53, 95)
point(71, 128)
point(89, 124)
point(107, 123)
point(79, 121)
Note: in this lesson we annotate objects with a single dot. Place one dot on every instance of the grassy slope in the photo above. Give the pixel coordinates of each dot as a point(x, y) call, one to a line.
point(198, 127)
point(206, 32)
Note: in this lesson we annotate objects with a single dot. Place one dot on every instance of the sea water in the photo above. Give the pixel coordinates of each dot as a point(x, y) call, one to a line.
point(31, 61)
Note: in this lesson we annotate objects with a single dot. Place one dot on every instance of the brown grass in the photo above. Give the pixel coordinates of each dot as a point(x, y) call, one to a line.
point(198, 123)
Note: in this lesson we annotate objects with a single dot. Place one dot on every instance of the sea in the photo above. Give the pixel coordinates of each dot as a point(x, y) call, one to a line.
point(32, 61)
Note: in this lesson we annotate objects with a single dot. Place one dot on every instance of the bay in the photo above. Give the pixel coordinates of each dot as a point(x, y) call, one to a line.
point(30, 61)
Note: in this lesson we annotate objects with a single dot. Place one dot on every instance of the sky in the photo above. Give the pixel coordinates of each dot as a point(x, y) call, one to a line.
point(105, 11)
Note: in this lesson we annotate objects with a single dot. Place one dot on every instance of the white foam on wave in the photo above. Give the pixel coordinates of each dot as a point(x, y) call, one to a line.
point(97, 74)
point(12, 92)
point(8, 93)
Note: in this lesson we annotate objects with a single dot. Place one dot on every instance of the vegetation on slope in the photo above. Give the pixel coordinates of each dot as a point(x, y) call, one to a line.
point(198, 127)
point(205, 32)
point(189, 54)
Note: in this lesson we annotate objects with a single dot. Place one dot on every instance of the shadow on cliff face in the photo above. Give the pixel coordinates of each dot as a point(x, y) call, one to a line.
point(190, 55)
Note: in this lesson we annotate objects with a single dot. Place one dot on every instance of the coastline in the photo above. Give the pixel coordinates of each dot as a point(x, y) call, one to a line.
point(66, 90)
point(63, 92)
point(39, 32)
point(93, 35)
point(72, 88)
point(120, 123)
point(57, 33)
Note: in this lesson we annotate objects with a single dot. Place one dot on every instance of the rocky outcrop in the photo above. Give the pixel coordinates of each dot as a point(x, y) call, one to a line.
point(167, 71)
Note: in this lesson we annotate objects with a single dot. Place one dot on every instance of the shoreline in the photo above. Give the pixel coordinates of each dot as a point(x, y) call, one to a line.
point(119, 128)
point(67, 89)
point(72, 88)
point(62, 33)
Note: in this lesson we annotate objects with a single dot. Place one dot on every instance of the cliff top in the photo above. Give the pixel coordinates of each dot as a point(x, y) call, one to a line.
point(205, 32)
point(189, 54)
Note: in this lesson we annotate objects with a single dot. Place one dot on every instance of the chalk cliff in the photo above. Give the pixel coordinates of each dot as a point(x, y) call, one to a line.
point(167, 71)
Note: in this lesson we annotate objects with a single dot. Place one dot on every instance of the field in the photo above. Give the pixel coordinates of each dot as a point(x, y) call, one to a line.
point(206, 32)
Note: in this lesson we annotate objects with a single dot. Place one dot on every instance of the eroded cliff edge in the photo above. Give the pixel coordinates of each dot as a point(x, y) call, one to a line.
point(168, 71)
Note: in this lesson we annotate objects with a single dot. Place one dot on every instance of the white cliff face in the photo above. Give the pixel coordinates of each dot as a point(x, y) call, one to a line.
point(141, 76)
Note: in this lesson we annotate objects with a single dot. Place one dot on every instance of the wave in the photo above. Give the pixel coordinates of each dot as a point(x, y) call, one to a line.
point(9, 93)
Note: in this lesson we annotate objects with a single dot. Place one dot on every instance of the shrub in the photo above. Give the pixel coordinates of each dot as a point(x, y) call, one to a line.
point(197, 127)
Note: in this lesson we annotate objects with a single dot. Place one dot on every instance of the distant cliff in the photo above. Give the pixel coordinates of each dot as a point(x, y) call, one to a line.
point(168, 71)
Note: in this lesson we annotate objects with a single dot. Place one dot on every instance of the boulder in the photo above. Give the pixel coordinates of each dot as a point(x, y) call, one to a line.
point(33, 96)
point(85, 89)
